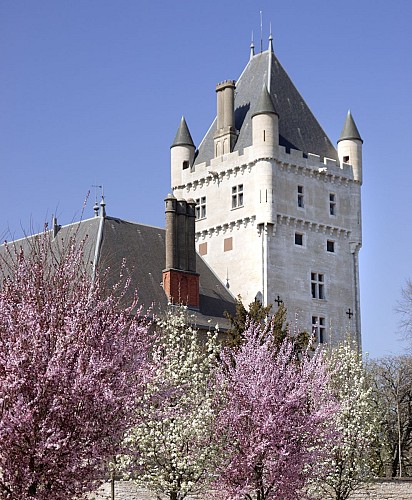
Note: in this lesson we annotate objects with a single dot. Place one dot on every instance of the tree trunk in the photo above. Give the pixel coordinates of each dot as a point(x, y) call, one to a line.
point(112, 486)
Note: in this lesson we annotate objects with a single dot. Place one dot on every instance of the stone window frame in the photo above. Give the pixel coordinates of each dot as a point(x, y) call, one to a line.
point(319, 329)
point(237, 196)
point(200, 209)
point(302, 239)
point(317, 285)
point(301, 196)
point(332, 205)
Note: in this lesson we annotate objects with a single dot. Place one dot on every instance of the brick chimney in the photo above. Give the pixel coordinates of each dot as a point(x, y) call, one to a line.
point(180, 279)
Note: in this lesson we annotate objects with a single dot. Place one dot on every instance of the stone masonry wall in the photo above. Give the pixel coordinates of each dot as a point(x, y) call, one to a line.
point(379, 490)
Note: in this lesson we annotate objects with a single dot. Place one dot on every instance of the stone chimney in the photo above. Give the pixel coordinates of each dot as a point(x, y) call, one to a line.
point(225, 135)
point(180, 279)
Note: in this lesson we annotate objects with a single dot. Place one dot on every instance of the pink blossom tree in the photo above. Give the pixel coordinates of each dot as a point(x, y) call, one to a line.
point(274, 422)
point(71, 364)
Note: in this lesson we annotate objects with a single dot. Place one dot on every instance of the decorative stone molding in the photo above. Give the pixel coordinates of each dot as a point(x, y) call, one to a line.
point(289, 220)
point(228, 227)
point(328, 171)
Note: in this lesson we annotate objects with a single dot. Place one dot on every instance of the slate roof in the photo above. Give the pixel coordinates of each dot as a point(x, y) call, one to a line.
point(264, 104)
point(350, 130)
point(298, 128)
point(183, 137)
point(143, 249)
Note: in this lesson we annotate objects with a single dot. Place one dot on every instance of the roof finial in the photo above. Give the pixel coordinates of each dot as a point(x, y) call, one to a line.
point(261, 33)
point(270, 38)
point(56, 227)
point(252, 48)
point(96, 205)
point(103, 207)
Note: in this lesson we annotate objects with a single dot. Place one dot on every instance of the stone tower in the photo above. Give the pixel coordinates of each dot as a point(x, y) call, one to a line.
point(278, 207)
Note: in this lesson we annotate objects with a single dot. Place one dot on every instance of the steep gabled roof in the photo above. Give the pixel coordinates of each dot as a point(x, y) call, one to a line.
point(298, 128)
point(143, 248)
point(113, 241)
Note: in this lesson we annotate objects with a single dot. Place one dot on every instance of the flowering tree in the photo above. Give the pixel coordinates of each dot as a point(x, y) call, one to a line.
point(171, 447)
point(274, 421)
point(350, 461)
point(71, 363)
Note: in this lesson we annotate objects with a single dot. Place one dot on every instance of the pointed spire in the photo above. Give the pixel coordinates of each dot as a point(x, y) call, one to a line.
point(252, 48)
point(183, 137)
point(270, 39)
point(264, 104)
point(350, 130)
point(103, 207)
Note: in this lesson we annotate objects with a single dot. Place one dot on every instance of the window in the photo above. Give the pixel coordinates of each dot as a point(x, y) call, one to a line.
point(185, 164)
point(346, 159)
point(201, 208)
point(318, 329)
point(299, 239)
point(317, 282)
point(330, 246)
point(227, 244)
point(332, 203)
point(301, 203)
point(237, 196)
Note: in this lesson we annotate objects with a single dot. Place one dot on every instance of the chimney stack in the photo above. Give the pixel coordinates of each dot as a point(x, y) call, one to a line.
point(225, 135)
point(180, 280)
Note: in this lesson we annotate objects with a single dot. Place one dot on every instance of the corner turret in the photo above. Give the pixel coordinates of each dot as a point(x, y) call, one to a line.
point(350, 147)
point(182, 152)
point(265, 121)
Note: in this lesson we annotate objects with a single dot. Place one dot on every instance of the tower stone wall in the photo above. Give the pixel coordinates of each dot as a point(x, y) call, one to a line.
point(280, 224)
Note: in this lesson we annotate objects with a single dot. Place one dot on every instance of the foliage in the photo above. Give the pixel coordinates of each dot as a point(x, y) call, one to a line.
point(260, 315)
point(274, 420)
point(71, 363)
point(392, 393)
point(171, 447)
point(350, 462)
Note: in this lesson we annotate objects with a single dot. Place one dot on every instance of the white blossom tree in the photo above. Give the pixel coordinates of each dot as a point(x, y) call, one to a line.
point(171, 447)
point(350, 461)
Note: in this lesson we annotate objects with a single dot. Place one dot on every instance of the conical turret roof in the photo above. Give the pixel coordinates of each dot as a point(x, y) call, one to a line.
point(264, 104)
point(183, 137)
point(350, 130)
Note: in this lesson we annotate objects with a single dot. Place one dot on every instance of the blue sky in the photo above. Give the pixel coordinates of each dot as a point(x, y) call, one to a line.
point(92, 92)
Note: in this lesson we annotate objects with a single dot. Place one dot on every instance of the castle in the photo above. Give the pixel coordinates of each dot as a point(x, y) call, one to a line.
point(278, 207)
point(271, 206)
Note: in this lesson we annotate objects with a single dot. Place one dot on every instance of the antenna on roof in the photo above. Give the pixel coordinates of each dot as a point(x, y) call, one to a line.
point(261, 33)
